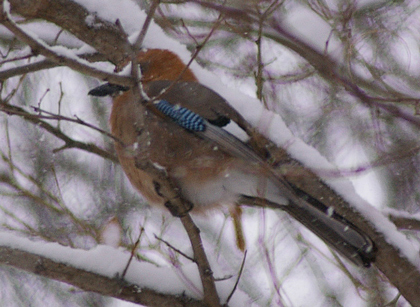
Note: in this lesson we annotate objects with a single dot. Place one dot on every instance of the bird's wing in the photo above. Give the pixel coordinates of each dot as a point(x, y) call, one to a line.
point(210, 107)
point(203, 112)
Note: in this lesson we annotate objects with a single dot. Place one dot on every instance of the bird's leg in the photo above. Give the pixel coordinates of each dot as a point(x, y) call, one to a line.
point(236, 214)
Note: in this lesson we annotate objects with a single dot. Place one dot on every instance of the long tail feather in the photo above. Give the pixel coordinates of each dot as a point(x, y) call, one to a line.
point(332, 228)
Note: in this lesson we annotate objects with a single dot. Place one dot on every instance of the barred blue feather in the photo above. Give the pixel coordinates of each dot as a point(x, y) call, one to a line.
point(182, 116)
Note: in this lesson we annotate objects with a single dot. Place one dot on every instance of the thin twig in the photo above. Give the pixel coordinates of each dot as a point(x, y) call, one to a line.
point(175, 249)
point(48, 52)
point(330, 70)
point(237, 279)
point(19, 58)
point(78, 120)
point(138, 91)
point(44, 64)
point(260, 65)
point(142, 34)
point(133, 250)
point(69, 142)
point(193, 57)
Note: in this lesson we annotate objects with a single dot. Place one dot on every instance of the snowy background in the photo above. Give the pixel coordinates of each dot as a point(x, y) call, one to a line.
point(78, 208)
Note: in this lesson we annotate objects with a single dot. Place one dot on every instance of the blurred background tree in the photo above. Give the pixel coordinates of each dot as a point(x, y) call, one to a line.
point(348, 86)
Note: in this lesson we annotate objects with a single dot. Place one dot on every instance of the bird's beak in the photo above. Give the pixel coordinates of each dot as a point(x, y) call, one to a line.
point(107, 89)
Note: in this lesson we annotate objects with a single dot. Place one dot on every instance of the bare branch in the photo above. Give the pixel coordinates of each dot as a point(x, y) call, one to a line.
point(175, 249)
point(403, 220)
point(41, 65)
point(238, 278)
point(179, 207)
point(69, 142)
point(112, 42)
point(88, 281)
point(107, 38)
point(211, 296)
point(142, 34)
point(61, 59)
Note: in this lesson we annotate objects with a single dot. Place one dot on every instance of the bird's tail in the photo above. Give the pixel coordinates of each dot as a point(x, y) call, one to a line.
point(332, 228)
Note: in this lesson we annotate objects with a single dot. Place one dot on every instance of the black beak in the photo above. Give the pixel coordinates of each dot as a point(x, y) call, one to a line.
point(107, 89)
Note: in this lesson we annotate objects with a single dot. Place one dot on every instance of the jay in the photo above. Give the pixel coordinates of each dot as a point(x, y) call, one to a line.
point(181, 130)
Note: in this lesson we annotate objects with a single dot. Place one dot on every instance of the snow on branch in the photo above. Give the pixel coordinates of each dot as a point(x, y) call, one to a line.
point(97, 270)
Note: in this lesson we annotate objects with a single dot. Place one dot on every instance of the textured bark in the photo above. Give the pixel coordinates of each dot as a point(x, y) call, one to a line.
point(110, 41)
point(106, 37)
point(88, 281)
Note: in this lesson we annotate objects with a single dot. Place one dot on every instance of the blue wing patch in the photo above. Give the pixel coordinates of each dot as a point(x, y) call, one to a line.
point(182, 116)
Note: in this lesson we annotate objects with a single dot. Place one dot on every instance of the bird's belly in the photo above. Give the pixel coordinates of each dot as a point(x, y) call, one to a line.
point(224, 188)
point(208, 195)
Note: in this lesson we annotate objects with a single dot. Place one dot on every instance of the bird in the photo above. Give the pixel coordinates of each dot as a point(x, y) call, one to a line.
point(182, 128)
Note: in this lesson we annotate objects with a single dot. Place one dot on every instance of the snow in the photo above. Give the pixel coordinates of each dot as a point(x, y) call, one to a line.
point(309, 26)
point(126, 11)
point(277, 131)
point(60, 50)
point(111, 233)
point(110, 262)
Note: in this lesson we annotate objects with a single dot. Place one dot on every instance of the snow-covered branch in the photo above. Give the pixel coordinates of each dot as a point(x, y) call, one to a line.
point(97, 270)
point(106, 34)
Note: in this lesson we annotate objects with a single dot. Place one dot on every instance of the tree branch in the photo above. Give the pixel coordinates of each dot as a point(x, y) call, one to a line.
point(69, 142)
point(61, 59)
point(41, 65)
point(88, 281)
point(399, 270)
point(107, 38)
